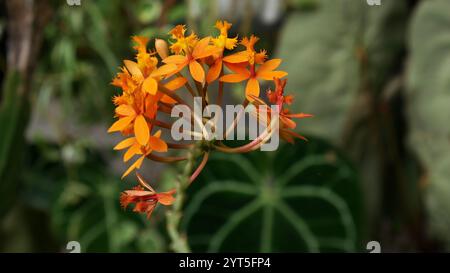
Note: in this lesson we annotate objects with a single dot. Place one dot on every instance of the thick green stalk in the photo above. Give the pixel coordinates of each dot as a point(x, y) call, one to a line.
point(178, 239)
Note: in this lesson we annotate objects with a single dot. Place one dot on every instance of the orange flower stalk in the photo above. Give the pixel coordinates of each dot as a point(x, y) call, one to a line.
point(151, 87)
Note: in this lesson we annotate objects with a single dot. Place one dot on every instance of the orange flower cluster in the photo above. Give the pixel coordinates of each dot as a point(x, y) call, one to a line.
point(150, 85)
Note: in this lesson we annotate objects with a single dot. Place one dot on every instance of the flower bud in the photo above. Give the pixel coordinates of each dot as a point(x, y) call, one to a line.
point(162, 48)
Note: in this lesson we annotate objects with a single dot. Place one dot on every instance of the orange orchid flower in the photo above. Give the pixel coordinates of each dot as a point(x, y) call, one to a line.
point(221, 42)
point(124, 81)
point(265, 70)
point(145, 197)
point(134, 115)
point(249, 55)
point(155, 143)
point(149, 80)
point(183, 43)
point(193, 50)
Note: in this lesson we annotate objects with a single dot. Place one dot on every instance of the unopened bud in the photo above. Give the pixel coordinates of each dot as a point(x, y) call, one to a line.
point(161, 48)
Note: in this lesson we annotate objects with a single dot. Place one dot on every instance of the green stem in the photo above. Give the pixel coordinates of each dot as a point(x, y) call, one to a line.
point(178, 238)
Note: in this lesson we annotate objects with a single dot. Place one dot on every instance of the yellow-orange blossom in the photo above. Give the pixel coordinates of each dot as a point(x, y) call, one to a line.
point(149, 85)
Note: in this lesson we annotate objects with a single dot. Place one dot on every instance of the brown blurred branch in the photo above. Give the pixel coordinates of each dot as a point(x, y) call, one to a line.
point(162, 20)
point(26, 20)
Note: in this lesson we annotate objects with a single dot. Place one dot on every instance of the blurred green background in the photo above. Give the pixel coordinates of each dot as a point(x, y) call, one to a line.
point(377, 166)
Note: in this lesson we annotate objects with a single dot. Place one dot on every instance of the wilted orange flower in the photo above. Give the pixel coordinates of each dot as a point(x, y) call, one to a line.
point(145, 197)
point(278, 98)
point(250, 58)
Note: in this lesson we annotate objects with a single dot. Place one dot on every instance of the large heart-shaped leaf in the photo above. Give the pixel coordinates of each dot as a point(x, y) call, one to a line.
point(301, 198)
point(339, 56)
point(428, 106)
point(325, 49)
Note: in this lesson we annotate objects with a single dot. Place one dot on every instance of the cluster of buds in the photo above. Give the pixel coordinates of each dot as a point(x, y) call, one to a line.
point(152, 85)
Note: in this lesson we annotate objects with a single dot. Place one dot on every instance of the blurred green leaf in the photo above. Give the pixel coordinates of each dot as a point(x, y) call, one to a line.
point(14, 116)
point(150, 241)
point(148, 12)
point(303, 4)
point(428, 107)
point(93, 217)
point(82, 199)
point(301, 198)
point(178, 13)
